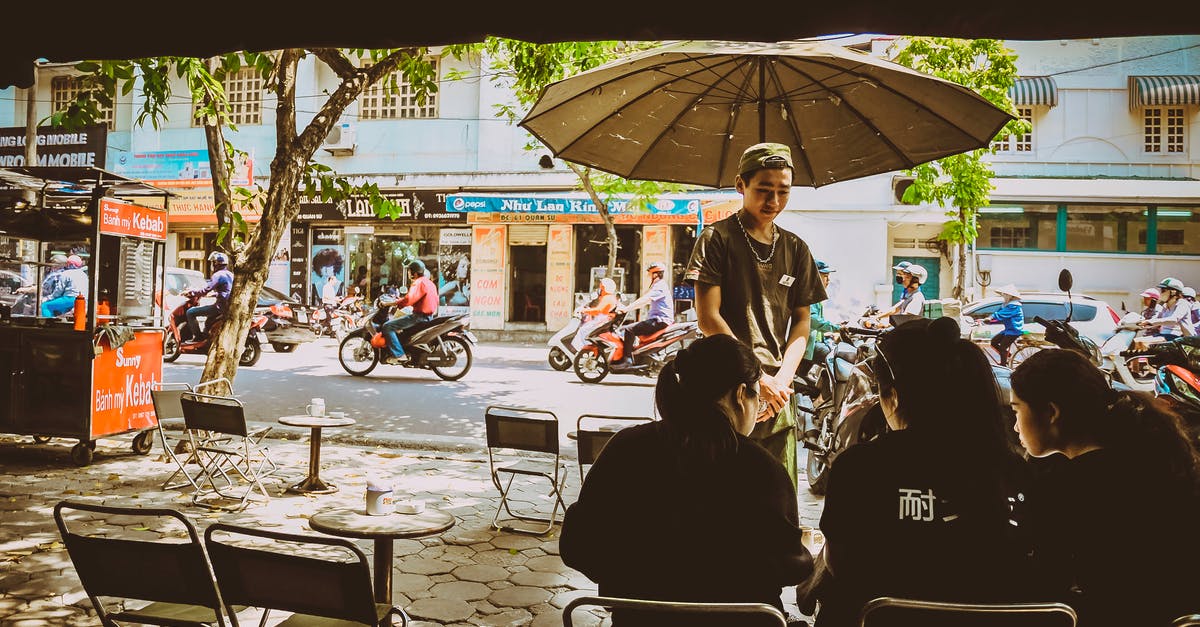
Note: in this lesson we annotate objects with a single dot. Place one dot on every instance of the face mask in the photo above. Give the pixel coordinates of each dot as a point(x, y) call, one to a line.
point(900, 280)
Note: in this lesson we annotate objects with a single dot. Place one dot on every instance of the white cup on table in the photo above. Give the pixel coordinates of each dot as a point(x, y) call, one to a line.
point(316, 407)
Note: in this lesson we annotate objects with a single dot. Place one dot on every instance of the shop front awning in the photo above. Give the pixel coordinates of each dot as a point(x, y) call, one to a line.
point(1153, 91)
point(1034, 91)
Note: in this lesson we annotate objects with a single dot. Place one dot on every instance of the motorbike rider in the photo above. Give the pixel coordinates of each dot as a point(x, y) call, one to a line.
point(1150, 297)
point(660, 316)
point(58, 263)
point(220, 284)
point(817, 350)
point(1012, 315)
point(606, 299)
point(423, 297)
point(1175, 318)
point(71, 282)
point(1189, 294)
point(912, 302)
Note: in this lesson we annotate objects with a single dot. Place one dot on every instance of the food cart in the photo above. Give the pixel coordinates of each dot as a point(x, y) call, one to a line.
point(86, 378)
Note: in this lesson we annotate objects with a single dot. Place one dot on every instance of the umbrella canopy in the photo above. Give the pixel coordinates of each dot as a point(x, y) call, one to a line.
point(684, 113)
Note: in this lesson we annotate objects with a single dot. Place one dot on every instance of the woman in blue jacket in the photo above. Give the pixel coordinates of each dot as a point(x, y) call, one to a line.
point(1012, 316)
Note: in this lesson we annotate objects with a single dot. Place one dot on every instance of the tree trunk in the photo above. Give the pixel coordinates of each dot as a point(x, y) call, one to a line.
point(214, 135)
point(585, 178)
point(960, 272)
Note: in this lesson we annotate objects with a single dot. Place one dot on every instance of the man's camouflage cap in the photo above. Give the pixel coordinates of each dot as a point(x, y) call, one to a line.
point(765, 155)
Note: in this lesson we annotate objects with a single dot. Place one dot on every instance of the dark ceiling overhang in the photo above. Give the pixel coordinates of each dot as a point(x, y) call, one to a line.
point(72, 30)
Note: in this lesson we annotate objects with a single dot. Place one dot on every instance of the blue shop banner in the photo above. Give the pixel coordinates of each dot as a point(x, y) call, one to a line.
point(178, 167)
point(565, 204)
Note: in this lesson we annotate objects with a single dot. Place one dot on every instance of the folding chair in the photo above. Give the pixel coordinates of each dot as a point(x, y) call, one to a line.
point(886, 611)
point(240, 454)
point(1191, 620)
point(680, 613)
point(166, 407)
point(174, 577)
point(523, 429)
point(589, 442)
point(323, 581)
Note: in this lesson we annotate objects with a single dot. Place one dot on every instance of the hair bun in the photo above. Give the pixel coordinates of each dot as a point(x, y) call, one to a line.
point(682, 363)
point(944, 330)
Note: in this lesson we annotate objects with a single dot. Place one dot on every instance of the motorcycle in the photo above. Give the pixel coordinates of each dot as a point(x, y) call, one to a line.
point(565, 344)
point(604, 345)
point(286, 329)
point(1064, 335)
point(337, 321)
point(178, 339)
point(1177, 376)
point(443, 344)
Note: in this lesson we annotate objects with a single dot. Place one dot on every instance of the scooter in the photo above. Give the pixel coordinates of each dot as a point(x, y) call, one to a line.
point(595, 358)
point(443, 344)
point(1118, 367)
point(286, 329)
point(178, 338)
point(1177, 379)
point(565, 344)
point(337, 322)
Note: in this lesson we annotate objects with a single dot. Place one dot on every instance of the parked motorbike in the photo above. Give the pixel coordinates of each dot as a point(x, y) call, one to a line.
point(178, 339)
point(565, 344)
point(603, 346)
point(1064, 335)
point(337, 322)
point(443, 344)
point(1177, 378)
point(286, 329)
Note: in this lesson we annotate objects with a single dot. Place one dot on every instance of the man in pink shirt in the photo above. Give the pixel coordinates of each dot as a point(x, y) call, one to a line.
point(423, 296)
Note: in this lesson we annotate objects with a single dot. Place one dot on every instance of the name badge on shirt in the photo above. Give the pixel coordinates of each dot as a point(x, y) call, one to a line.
point(787, 280)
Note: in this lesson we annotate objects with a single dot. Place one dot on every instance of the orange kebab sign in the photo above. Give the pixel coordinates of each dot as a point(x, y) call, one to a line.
point(121, 218)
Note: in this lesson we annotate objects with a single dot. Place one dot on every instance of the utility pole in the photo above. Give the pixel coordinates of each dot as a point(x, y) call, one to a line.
point(31, 126)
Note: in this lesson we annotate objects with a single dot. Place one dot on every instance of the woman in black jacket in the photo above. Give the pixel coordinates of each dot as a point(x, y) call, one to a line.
point(1118, 530)
point(688, 508)
point(930, 509)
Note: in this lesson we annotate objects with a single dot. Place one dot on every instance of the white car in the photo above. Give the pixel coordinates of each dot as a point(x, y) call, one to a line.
point(1090, 316)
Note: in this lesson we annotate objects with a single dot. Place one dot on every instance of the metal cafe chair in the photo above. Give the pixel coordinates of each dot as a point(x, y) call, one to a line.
point(174, 577)
point(1190, 620)
point(524, 430)
point(679, 612)
point(589, 442)
point(322, 581)
point(239, 456)
point(889, 611)
point(165, 397)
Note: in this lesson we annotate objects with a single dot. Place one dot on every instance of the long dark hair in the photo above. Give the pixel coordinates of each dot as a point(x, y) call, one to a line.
point(1091, 411)
point(689, 388)
point(944, 386)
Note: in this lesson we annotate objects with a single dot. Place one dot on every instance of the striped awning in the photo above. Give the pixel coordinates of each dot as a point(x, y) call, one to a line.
point(1150, 91)
point(1034, 90)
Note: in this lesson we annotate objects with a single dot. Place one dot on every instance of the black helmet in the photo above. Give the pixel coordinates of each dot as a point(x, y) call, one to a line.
point(416, 266)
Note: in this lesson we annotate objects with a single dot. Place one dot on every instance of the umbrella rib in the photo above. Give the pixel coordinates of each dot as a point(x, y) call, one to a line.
point(787, 105)
point(732, 123)
point(906, 97)
point(896, 149)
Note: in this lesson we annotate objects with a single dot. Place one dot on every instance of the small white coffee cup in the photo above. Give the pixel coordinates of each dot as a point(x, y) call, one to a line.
point(337, 414)
point(316, 407)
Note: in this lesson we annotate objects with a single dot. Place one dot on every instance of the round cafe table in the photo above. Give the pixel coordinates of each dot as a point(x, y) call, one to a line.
point(356, 523)
point(312, 484)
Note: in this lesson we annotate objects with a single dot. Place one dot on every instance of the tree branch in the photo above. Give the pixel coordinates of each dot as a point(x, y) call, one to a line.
point(336, 62)
point(350, 89)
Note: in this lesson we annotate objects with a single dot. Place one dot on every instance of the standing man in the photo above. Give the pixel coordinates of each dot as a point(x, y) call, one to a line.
point(220, 283)
point(756, 281)
point(662, 311)
point(423, 296)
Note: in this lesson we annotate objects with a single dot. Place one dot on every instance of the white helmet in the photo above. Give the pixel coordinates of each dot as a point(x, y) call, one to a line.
point(917, 271)
point(608, 286)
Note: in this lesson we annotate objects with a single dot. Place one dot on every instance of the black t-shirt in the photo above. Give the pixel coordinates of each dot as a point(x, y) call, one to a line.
point(757, 299)
point(918, 517)
point(1118, 540)
point(645, 528)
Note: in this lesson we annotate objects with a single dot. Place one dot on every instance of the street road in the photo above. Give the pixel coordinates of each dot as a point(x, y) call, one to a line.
point(412, 402)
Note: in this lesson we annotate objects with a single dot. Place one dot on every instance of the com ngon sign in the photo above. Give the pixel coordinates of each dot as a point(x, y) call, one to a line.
point(464, 203)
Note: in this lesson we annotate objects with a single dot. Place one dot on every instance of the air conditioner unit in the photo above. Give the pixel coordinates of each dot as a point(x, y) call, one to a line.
point(340, 140)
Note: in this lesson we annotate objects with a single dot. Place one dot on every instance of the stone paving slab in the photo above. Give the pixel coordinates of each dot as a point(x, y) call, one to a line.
point(470, 575)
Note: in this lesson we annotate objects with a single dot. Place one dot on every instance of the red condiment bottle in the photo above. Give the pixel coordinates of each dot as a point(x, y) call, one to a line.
point(80, 312)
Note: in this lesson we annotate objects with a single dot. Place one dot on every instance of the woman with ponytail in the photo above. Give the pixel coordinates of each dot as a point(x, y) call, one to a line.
point(929, 509)
point(688, 508)
point(1118, 530)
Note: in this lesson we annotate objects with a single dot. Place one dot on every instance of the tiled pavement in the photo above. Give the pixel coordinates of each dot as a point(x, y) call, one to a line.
point(470, 575)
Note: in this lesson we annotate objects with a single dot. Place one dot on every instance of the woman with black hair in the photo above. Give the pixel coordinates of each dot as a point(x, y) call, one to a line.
point(689, 508)
point(1117, 522)
point(928, 509)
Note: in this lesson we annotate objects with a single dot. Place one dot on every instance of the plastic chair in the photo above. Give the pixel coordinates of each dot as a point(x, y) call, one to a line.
point(239, 454)
point(531, 306)
point(589, 442)
point(679, 612)
point(901, 612)
point(523, 429)
point(175, 577)
point(311, 578)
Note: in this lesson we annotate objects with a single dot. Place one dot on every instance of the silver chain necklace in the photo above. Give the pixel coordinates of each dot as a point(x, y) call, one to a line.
point(753, 250)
